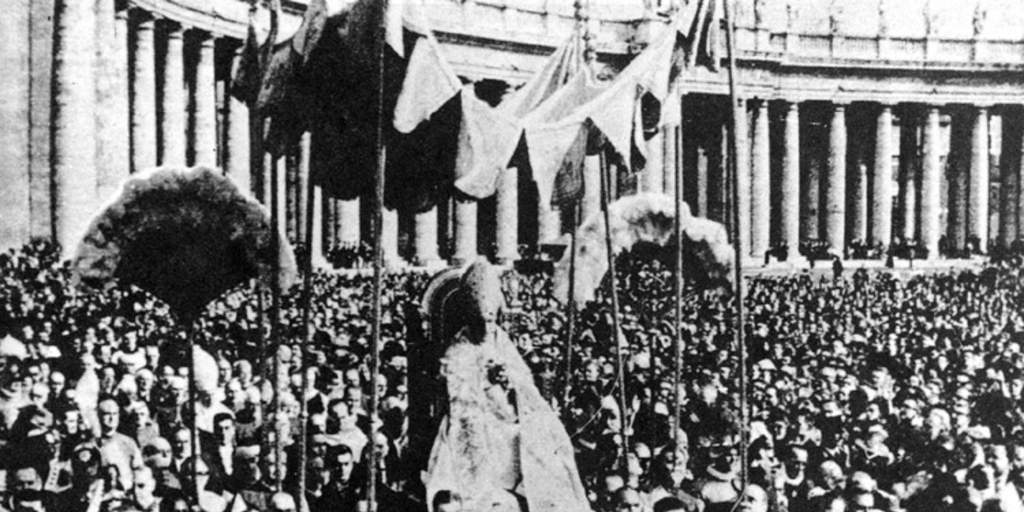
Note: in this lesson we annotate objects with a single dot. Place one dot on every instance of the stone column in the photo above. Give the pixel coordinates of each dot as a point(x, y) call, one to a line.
point(591, 203)
point(718, 177)
point(810, 192)
point(790, 211)
point(143, 97)
point(74, 122)
point(652, 178)
point(760, 182)
point(291, 196)
point(236, 149)
point(977, 207)
point(835, 185)
point(1016, 139)
point(204, 105)
point(507, 212)
point(908, 174)
point(931, 176)
point(959, 165)
point(1009, 170)
point(112, 156)
point(425, 238)
point(172, 106)
point(282, 198)
point(349, 222)
point(333, 225)
point(15, 130)
point(859, 201)
point(671, 160)
point(881, 191)
point(302, 188)
point(465, 231)
point(389, 235)
point(742, 177)
point(317, 239)
point(41, 27)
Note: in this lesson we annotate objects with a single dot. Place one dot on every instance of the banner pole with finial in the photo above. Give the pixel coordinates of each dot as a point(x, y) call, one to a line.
point(734, 121)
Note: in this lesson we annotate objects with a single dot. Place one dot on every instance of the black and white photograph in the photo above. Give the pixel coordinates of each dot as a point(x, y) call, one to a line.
point(512, 256)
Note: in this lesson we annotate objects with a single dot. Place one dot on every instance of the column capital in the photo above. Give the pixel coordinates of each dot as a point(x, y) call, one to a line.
point(173, 29)
point(205, 37)
point(144, 20)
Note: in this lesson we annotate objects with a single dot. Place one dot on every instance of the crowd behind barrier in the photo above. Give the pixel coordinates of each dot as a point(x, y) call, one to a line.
point(876, 391)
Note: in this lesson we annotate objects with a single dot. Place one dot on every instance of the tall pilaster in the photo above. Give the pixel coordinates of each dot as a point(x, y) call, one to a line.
point(977, 207)
point(465, 231)
point(507, 212)
point(790, 211)
point(760, 182)
point(835, 185)
point(204, 105)
point(112, 121)
point(881, 180)
point(425, 240)
point(143, 97)
point(15, 111)
point(1009, 170)
point(172, 105)
point(74, 122)
point(931, 174)
point(236, 149)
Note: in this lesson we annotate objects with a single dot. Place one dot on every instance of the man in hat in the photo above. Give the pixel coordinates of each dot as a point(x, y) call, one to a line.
point(500, 436)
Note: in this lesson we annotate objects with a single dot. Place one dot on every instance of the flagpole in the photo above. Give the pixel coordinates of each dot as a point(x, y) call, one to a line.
point(193, 430)
point(275, 297)
point(307, 298)
point(620, 364)
point(570, 330)
point(677, 317)
point(378, 259)
point(734, 104)
point(582, 59)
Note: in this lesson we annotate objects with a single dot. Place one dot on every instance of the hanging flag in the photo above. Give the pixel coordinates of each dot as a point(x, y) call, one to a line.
point(245, 85)
point(429, 83)
point(487, 139)
point(312, 28)
point(700, 24)
point(490, 136)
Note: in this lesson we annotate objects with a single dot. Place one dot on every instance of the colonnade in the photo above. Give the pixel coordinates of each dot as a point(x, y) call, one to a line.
point(131, 91)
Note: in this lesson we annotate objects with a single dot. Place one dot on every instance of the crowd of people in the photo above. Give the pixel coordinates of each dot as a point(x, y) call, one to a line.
point(877, 391)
